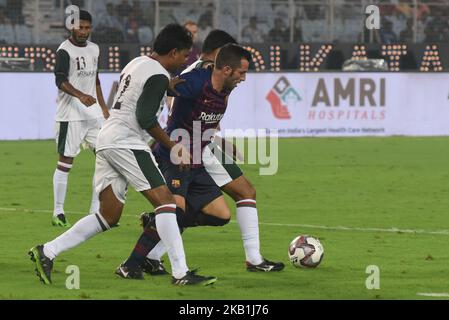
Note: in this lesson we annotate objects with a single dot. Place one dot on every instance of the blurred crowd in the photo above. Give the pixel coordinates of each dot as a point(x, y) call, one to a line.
point(250, 21)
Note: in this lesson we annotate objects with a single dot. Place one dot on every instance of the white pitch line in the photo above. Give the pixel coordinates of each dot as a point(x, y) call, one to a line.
point(309, 226)
point(51, 211)
point(432, 294)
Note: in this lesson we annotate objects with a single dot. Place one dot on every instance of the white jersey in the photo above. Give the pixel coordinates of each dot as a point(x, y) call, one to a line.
point(188, 69)
point(82, 75)
point(192, 66)
point(122, 129)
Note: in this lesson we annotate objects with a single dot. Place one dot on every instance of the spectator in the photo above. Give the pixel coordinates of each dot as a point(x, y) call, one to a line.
point(196, 48)
point(135, 21)
point(423, 21)
point(145, 34)
point(387, 35)
point(279, 33)
point(437, 29)
point(109, 28)
point(124, 10)
point(406, 35)
point(138, 12)
point(251, 33)
point(78, 3)
point(132, 27)
point(297, 32)
point(313, 11)
point(14, 11)
point(6, 28)
point(204, 25)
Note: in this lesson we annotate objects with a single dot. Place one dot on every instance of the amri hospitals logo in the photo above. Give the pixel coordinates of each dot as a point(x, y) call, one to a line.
point(281, 96)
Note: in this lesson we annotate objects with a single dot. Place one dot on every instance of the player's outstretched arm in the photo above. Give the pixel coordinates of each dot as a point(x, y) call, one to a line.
point(62, 72)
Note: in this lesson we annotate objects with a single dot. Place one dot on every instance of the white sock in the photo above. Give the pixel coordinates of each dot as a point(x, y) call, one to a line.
point(157, 252)
point(95, 203)
point(81, 231)
point(59, 190)
point(168, 230)
point(249, 228)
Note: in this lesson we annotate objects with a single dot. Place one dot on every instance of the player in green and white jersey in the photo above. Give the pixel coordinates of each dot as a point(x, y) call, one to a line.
point(81, 109)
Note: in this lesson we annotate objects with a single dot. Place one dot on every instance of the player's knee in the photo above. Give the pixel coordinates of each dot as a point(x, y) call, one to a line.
point(243, 189)
point(161, 196)
point(64, 166)
point(249, 192)
point(112, 221)
point(224, 214)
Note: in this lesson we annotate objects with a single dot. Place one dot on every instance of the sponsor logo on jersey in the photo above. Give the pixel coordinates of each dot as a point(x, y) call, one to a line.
point(83, 73)
point(176, 183)
point(210, 117)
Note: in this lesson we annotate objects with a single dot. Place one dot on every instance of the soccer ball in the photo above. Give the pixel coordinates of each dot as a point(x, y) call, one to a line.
point(305, 252)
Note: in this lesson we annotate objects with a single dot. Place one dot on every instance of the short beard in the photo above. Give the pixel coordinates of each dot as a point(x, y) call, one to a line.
point(77, 40)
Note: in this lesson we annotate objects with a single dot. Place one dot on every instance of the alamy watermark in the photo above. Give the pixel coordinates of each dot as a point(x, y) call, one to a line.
point(373, 20)
point(73, 279)
point(251, 146)
point(372, 282)
point(73, 19)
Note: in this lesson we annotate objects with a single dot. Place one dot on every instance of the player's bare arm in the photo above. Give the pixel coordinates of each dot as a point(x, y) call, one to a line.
point(172, 84)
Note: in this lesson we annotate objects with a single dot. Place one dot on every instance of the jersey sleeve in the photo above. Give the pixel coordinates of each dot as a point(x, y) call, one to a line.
point(62, 67)
point(150, 100)
point(191, 87)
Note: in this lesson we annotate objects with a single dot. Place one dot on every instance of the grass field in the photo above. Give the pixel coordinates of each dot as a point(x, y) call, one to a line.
point(372, 201)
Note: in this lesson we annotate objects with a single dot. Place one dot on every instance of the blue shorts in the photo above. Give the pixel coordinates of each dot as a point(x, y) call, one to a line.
point(195, 185)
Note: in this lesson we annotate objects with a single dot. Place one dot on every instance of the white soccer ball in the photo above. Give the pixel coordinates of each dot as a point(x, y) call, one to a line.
point(305, 252)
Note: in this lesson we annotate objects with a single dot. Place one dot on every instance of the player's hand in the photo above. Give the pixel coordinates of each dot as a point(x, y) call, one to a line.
point(180, 156)
point(173, 83)
point(185, 158)
point(87, 100)
point(105, 113)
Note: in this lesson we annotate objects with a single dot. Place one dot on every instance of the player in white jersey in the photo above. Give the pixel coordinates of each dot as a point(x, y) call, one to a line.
point(124, 158)
point(81, 109)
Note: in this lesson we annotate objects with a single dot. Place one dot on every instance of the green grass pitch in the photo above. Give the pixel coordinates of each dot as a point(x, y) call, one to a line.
point(372, 201)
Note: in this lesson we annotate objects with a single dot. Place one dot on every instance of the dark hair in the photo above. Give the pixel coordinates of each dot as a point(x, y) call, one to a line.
point(216, 39)
point(173, 36)
point(85, 16)
point(231, 55)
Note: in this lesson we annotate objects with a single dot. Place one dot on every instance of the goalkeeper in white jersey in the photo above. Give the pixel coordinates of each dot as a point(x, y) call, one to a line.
point(81, 109)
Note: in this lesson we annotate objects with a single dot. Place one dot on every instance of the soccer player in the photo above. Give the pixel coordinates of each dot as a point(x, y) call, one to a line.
point(203, 98)
point(81, 109)
point(124, 157)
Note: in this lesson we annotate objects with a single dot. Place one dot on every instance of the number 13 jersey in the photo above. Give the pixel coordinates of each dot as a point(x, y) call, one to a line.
point(79, 65)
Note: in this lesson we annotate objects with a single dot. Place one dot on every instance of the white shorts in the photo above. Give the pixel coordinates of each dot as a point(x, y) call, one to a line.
point(70, 135)
point(220, 166)
point(120, 167)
